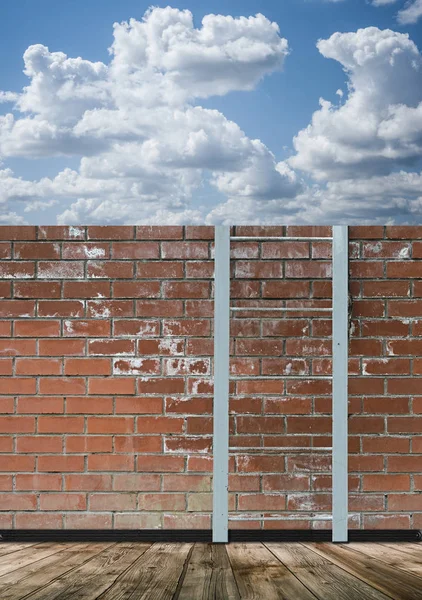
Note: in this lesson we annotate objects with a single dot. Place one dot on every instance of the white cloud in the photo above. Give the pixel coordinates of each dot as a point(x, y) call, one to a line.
point(379, 126)
point(144, 145)
point(411, 13)
point(383, 2)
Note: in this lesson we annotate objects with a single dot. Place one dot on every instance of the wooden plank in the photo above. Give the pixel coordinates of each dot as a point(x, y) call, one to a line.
point(260, 575)
point(154, 576)
point(415, 549)
point(386, 579)
point(392, 556)
point(26, 580)
point(324, 579)
point(9, 547)
point(92, 578)
point(26, 556)
point(209, 575)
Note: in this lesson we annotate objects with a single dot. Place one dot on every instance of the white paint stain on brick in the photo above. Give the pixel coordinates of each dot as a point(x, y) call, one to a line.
point(404, 253)
point(100, 310)
point(76, 233)
point(170, 345)
point(390, 350)
point(94, 252)
point(134, 365)
point(68, 325)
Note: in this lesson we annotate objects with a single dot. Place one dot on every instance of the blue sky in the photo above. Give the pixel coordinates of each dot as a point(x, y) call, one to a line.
point(275, 107)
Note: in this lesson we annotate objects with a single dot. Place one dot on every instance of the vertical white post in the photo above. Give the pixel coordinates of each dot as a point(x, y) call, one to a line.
point(221, 384)
point(340, 383)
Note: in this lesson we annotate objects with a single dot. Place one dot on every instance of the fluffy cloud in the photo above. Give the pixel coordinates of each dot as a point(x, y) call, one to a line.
point(379, 126)
point(411, 13)
point(143, 143)
point(383, 2)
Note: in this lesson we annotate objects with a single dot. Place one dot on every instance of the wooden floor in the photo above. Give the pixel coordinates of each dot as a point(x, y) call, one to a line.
point(185, 571)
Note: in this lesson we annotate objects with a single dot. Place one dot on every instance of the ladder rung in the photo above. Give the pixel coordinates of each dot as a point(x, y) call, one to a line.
point(274, 449)
point(279, 518)
point(280, 309)
point(306, 377)
point(243, 238)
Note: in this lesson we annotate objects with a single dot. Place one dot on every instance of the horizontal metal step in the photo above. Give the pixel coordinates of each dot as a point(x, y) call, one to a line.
point(279, 309)
point(276, 449)
point(244, 238)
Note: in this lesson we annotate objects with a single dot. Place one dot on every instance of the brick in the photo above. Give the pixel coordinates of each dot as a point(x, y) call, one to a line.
point(109, 425)
point(18, 501)
point(186, 289)
point(63, 501)
point(404, 502)
point(308, 347)
point(136, 482)
point(386, 405)
point(18, 232)
point(386, 483)
point(87, 482)
point(17, 385)
point(258, 269)
point(160, 270)
point(62, 385)
point(188, 405)
point(112, 501)
point(136, 366)
point(403, 464)
point(36, 250)
point(111, 347)
point(37, 328)
point(137, 327)
point(368, 308)
point(385, 366)
point(17, 308)
point(87, 366)
point(199, 232)
point(375, 521)
point(402, 385)
point(37, 289)
point(60, 270)
point(185, 250)
point(110, 232)
point(86, 289)
point(39, 405)
point(86, 328)
point(260, 464)
point(39, 444)
point(187, 483)
point(308, 269)
point(86, 250)
point(189, 327)
point(17, 347)
point(285, 328)
point(200, 269)
point(285, 289)
point(110, 269)
point(386, 444)
point(88, 521)
point(60, 308)
point(14, 464)
point(111, 386)
point(104, 309)
point(60, 424)
point(158, 385)
point(5, 250)
point(144, 443)
point(91, 405)
point(160, 464)
point(154, 232)
point(60, 464)
point(199, 308)
point(54, 232)
point(6, 366)
point(387, 328)
point(110, 462)
point(136, 289)
point(35, 482)
point(171, 502)
point(364, 347)
point(135, 250)
point(61, 347)
point(246, 289)
point(5, 328)
point(160, 308)
point(403, 232)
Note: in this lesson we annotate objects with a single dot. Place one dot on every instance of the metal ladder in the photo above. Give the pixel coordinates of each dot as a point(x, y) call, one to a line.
point(221, 449)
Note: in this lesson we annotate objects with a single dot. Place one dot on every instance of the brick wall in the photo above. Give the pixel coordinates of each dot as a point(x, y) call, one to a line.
point(106, 377)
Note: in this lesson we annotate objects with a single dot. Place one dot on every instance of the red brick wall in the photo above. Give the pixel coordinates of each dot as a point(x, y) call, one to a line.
point(106, 389)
